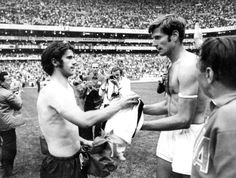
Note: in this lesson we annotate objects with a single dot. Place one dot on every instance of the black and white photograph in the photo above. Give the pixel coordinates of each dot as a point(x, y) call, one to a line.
point(117, 88)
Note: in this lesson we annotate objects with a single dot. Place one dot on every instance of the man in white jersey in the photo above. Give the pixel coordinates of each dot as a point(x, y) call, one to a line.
point(184, 102)
point(59, 116)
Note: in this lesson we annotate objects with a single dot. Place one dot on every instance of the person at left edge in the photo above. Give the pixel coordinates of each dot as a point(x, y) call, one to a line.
point(10, 102)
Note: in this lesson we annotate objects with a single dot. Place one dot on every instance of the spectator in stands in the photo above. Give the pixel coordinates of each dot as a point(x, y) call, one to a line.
point(92, 100)
point(135, 66)
point(115, 86)
point(133, 14)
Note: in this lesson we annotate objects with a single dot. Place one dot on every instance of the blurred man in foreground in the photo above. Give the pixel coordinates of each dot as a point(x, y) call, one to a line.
point(214, 151)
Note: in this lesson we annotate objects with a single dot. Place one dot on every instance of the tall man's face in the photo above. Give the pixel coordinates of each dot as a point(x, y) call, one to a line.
point(162, 42)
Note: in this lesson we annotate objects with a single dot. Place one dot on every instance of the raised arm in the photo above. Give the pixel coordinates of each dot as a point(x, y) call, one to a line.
point(74, 114)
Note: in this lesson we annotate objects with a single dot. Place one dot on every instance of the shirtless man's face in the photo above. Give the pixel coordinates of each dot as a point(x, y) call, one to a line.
point(68, 66)
point(161, 42)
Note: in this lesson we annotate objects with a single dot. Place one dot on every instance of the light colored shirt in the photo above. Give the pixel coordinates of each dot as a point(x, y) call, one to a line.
point(9, 104)
point(214, 151)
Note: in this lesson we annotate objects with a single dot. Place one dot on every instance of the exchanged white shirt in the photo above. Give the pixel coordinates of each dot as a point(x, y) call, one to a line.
point(126, 122)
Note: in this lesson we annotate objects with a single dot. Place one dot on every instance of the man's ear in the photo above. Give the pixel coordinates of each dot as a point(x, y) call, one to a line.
point(210, 76)
point(55, 63)
point(175, 35)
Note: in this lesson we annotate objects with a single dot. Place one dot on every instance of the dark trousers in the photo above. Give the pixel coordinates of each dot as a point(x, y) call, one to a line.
point(8, 153)
point(90, 133)
point(93, 102)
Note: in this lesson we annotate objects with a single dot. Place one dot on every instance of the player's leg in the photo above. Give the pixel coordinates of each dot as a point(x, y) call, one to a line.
point(177, 175)
point(164, 169)
point(164, 154)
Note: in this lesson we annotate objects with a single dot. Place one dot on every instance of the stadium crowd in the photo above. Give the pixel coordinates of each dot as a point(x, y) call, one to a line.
point(136, 66)
point(133, 14)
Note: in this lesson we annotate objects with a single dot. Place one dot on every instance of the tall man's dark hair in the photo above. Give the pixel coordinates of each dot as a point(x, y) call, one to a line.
point(169, 23)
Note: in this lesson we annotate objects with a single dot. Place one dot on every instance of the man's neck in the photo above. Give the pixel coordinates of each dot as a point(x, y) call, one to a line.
point(58, 77)
point(176, 53)
point(220, 90)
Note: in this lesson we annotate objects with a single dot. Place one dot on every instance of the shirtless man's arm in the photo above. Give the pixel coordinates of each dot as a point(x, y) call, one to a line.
point(156, 108)
point(85, 142)
point(89, 118)
point(187, 102)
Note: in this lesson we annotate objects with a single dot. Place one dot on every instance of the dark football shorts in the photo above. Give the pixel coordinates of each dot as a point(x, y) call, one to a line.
point(56, 167)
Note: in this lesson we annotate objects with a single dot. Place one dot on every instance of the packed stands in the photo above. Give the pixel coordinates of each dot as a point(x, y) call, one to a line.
point(20, 54)
point(133, 14)
point(136, 66)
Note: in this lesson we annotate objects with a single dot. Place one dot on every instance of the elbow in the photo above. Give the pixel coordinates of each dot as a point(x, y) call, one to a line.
point(145, 110)
point(185, 123)
point(87, 123)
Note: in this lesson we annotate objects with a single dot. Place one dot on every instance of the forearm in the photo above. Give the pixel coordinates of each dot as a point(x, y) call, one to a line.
point(156, 109)
point(84, 141)
point(168, 123)
point(181, 120)
point(92, 117)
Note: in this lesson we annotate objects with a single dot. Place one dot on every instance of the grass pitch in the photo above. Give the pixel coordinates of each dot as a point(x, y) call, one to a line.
point(140, 154)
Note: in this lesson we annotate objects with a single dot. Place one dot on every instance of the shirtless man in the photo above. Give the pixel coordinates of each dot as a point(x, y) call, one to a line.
point(59, 116)
point(184, 102)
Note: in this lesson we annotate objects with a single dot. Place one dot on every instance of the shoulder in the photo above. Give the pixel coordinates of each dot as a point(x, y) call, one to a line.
point(225, 117)
point(49, 92)
point(5, 93)
point(187, 74)
point(188, 60)
point(187, 66)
